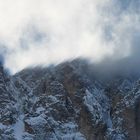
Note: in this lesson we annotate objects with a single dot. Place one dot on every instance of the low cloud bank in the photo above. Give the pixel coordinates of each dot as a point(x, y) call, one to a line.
point(44, 32)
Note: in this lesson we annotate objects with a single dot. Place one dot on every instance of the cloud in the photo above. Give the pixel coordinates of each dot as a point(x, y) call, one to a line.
point(50, 31)
point(2, 54)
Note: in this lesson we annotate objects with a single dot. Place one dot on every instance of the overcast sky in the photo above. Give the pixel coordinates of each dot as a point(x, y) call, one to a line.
point(47, 32)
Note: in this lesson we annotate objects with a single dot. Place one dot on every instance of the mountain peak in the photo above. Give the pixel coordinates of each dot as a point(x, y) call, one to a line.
point(69, 102)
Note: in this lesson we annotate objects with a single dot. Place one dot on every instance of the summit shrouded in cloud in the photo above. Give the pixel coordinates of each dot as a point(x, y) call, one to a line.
point(69, 69)
point(34, 32)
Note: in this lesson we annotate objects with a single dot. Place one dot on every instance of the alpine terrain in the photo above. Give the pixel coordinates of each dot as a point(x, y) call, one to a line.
point(69, 101)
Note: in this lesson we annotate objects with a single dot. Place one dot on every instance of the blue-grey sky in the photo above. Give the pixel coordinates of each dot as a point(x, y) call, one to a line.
point(47, 32)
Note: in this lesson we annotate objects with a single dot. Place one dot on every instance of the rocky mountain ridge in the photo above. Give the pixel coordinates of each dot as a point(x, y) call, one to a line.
point(68, 102)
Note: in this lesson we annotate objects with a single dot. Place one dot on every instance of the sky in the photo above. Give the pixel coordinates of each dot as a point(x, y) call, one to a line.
point(44, 32)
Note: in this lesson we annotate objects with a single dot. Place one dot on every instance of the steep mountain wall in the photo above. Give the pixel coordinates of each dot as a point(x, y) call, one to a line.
point(67, 102)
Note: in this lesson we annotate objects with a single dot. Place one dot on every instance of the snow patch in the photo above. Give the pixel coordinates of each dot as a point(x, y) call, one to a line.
point(39, 110)
point(2, 126)
point(74, 136)
point(35, 121)
point(19, 128)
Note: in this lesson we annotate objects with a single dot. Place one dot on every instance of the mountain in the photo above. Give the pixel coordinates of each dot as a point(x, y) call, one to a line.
point(70, 101)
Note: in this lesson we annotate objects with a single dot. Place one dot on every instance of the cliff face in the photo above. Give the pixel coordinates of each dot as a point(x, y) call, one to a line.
point(66, 102)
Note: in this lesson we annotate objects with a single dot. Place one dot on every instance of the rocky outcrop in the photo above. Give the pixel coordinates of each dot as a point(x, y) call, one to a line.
point(67, 102)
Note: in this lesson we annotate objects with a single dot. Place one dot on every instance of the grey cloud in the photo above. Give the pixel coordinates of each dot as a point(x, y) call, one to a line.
point(108, 35)
point(32, 35)
point(3, 52)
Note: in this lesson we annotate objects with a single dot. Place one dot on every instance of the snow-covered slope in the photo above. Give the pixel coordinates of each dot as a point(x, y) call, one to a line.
point(68, 102)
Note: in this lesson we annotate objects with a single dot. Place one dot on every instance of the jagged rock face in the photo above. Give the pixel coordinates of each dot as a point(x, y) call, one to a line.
point(7, 106)
point(66, 103)
point(4, 96)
